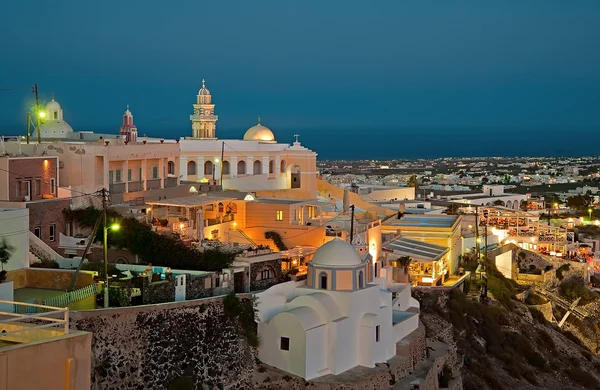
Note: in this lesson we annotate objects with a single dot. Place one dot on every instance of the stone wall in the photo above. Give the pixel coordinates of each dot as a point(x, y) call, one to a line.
point(158, 292)
point(256, 270)
point(187, 345)
point(196, 287)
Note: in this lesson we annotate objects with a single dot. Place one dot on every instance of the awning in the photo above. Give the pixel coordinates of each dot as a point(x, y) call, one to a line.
point(418, 250)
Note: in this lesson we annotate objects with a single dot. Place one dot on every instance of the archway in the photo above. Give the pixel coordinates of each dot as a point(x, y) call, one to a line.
point(208, 168)
point(241, 167)
point(509, 204)
point(191, 168)
point(282, 166)
point(295, 176)
point(271, 166)
point(257, 167)
point(226, 168)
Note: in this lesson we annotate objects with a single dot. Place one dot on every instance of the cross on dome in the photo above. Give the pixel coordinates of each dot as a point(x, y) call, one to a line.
point(296, 135)
point(52, 95)
point(258, 119)
point(128, 107)
point(203, 81)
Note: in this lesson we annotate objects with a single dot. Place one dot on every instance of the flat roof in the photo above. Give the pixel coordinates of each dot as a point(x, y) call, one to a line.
point(426, 220)
point(418, 249)
point(190, 201)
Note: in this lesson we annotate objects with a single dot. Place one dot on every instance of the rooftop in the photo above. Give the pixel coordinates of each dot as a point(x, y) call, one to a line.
point(190, 201)
point(416, 249)
point(424, 221)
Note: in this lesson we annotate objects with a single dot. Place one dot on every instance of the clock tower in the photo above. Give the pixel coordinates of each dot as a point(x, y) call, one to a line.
point(204, 120)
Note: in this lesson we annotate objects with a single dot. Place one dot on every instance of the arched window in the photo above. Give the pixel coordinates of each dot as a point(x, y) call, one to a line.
point(191, 168)
point(361, 280)
point(271, 166)
point(257, 167)
point(282, 167)
point(55, 114)
point(241, 167)
point(226, 170)
point(208, 168)
point(171, 168)
point(323, 281)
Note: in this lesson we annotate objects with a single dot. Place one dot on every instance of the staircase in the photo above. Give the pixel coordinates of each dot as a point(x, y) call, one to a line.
point(244, 235)
point(39, 250)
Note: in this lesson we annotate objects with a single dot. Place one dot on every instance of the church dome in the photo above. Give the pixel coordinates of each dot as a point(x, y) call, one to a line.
point(203, 91)
point(55, 129)
point(259, 132)
point(53, 105)
point(336, 253)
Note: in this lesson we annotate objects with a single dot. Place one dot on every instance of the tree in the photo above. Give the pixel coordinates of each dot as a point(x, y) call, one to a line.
point(413, 181)
point(524, 205)
point(580, 202)
point(498, 202)
point(6, 251)
point(405, 261)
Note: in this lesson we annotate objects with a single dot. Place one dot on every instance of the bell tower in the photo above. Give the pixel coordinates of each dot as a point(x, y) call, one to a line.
point(204, 120)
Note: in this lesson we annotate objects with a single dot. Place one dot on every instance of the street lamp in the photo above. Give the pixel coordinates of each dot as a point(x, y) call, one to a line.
point(114, 226)
point(590, 213)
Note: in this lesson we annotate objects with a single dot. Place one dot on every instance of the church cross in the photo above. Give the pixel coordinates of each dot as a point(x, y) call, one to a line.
point(258, 119)
point(202, 83)
point(296, 135)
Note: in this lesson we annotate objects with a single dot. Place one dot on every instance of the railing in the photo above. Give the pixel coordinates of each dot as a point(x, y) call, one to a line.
point(216, 221)
point(44, 314)
point(41, 249)
point(152, 184)
point(73, 296)
point(135, 186)
point(170, 182)
point(26, 309)
point(116, 188)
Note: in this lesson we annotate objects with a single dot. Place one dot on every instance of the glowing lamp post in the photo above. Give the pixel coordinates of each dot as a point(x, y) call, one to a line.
point(590, 213)
point(114, 226)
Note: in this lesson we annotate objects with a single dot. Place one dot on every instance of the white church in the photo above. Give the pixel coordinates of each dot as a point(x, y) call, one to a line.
point(342, 317)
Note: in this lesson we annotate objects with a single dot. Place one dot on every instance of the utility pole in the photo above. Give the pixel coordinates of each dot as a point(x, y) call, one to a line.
point(28, 127)
point(37, 113)
point(486, 213)
point(105, 246)
point(477, 249)
point(351, 223)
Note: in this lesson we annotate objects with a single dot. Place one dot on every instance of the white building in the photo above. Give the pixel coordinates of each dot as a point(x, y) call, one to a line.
point(341, 318)
point(14, 230)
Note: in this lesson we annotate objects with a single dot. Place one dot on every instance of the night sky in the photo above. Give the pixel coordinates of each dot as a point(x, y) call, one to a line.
point(491, 74)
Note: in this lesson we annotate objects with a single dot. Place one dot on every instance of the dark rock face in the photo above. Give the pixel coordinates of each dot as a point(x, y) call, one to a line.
point(158, 347)
point(158, 292)
point(195, 287)
point(273, 267)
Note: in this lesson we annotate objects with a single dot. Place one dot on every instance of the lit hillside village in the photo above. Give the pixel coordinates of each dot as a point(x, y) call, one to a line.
point(121, 252)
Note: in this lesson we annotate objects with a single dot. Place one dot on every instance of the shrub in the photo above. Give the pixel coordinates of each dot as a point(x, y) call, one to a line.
point(45, 264)
point(534, 299)
point(444, 376)
point(574, 289)
point(277, 240)
point(242, 311)
point(559, 270)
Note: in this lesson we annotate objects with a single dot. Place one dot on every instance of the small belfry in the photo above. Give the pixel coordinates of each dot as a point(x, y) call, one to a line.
point(128, 129)
point(204, 120)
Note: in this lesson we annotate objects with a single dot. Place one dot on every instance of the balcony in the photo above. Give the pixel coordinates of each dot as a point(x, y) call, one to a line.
point(135, 186)
point(152, 184)
point(204, 117)
point(219, 220)
point(116, 188)
point(170, 182)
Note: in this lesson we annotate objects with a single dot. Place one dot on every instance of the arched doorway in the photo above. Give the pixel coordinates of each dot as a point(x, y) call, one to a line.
point(295, 177)
point(257, 167)
point(191, 168)
point(226, 169)
point(241, 167)
point(208, 168)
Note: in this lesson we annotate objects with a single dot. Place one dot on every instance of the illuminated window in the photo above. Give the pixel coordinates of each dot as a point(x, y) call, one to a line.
point(285, 344)
point(279, 216)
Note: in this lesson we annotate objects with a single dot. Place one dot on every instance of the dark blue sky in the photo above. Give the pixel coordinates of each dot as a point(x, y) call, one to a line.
point(394, 66)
